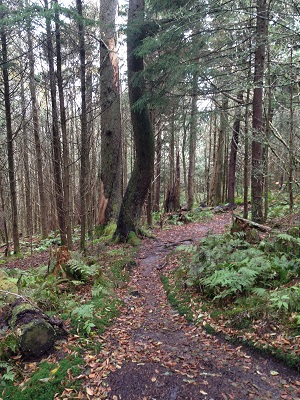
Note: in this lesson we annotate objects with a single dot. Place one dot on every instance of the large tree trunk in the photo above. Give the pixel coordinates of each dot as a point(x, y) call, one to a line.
point(218, 170)
point(291, 164)
point(233, 152)
point(36, 134)
point(9, 136)
point(157, 177)
point(111, 138)
point(246, 149)
point(63, 123)
point(142, 173)
point(56, 145)
point(192, 144)
point(28, 201)
point(257, 119)
point(84, 133)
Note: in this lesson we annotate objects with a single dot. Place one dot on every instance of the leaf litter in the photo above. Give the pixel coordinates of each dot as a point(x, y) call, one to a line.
point(152, 352)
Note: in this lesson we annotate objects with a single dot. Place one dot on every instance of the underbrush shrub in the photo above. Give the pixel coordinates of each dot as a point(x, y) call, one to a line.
point(228, 266)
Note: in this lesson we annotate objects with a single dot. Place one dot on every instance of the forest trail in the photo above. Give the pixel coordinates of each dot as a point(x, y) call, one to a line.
point(151, 352)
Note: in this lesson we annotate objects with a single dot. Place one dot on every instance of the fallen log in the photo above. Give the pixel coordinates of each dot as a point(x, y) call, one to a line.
point(35, 331)
point(247, 223)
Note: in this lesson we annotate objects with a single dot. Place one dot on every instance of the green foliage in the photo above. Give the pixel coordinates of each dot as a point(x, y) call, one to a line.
point(228, 266)
point(6, 372)
point(8, 345)
point(77, 268)
point(45, 244)
point(286, 298)
point(288, 244)
point(278, 210)
point(198, 215)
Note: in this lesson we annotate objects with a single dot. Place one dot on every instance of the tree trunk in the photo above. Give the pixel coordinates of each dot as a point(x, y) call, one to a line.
point(3, 223)
point(59, 195)
point(233, 153)
point(246, 150)
point(183, 152)
point(217, 175)
point(142, 173)
point(9, 137)
point(291, 139)
point(157, 177)
point(111, 138)
point(35, 334)
point(28, 201)
point(36, 134)
point(63, 123)
point(192, 144)
point(84, 133)
point(257, 119)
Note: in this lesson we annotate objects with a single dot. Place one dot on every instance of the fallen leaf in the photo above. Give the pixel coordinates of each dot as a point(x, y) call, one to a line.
point(89, 391)
point(274, 373)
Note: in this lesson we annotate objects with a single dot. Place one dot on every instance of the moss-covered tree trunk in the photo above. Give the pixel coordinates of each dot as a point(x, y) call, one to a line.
point(111, 138)
point(142, 173)
point(35, 334)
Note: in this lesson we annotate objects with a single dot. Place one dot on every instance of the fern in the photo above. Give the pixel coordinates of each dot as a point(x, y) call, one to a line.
point(259, 292)
point(78, 269)
point(84, 312)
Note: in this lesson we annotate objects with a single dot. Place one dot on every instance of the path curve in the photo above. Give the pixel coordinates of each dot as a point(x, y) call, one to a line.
point(151, 352)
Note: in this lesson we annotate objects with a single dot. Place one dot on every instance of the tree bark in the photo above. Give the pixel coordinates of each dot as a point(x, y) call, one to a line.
point(84, 133)
point(192, 144)
point(111, 138)
point(142, 173)
point(28, 199)
point(157, 177)
point(56, 145)
point(233, 153)
point(257, 119)
point(63, 124)
point(9, 138)
point(217, 175)
point(36, 134)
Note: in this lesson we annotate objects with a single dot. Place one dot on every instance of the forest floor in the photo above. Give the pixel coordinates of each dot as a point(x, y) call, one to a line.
point(151, 352)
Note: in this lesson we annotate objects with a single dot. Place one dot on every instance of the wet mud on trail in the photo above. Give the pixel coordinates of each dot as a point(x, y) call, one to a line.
point(151, 352)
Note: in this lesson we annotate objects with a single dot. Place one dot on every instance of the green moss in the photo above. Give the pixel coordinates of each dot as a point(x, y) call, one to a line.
point(46, 381)
point(7, 285)
point(133, 240)
point(105, 230)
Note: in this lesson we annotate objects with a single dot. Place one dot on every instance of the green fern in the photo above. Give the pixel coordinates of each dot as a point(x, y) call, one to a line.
point(260, 292)
point(78, 269)
point(84, 311)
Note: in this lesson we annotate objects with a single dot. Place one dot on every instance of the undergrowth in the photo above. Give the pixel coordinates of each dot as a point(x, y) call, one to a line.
point(84, 298)
point(252, 292)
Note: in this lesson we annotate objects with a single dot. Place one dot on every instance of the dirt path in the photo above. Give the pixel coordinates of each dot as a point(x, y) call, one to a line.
point(153, 353)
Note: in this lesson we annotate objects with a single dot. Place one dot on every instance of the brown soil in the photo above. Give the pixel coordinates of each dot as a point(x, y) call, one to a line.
point(151, 352)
